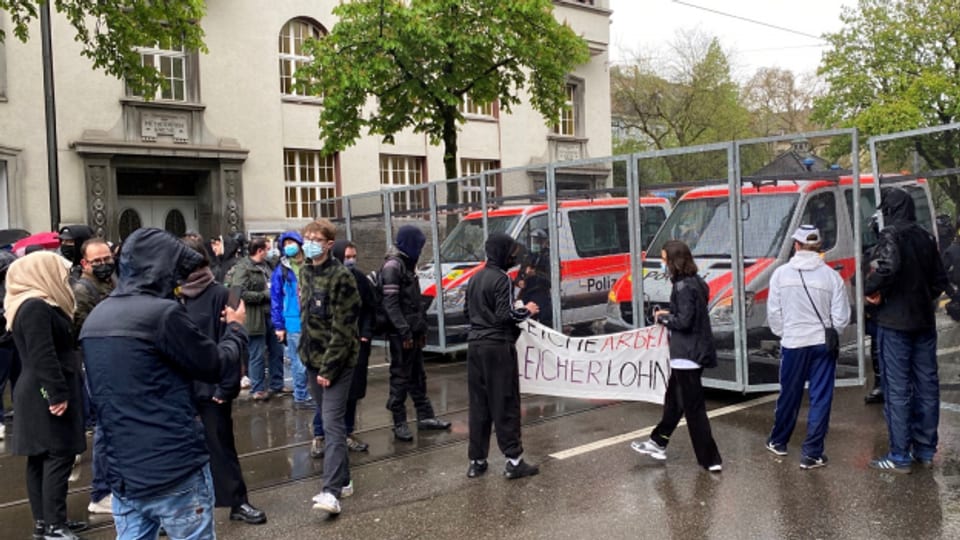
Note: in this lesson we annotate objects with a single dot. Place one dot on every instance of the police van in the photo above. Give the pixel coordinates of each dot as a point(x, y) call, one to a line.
point(594, 252)
point(769, 212)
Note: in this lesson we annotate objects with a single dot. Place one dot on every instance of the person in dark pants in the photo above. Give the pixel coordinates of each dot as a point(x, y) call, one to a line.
point(205, 300)
point(48, 428)
point(346, 253)
point(330, 342)
point(875, 396)
point(691, 350)
point(9, 360)
point(907, 281)
point(407, 334)
point(493, 378)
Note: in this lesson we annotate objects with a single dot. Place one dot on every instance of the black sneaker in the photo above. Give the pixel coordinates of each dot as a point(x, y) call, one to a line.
point(520, 470)
point(807, 462)
point(875, 396)
point(59, 532)
point(356, 445)
point(778, 449)
point(248, 514)
point(433, 423)
point(477, 468)
point(402, 432)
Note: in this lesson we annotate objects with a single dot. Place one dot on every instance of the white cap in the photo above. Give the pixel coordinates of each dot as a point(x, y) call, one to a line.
point(807, 234)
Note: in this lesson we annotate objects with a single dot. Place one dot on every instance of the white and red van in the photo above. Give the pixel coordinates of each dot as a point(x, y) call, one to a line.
point(769, 213)
point(594, 252)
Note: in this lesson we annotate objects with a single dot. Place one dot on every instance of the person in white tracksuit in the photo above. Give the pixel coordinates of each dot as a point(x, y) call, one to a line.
point(806, 296)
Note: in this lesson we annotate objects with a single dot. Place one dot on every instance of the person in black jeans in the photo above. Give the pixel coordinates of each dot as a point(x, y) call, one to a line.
point(9, 360)
point(691, 350)
point(407, 334)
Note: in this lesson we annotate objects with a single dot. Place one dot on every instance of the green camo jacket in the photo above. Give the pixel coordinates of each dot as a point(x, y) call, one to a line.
point(329, 309)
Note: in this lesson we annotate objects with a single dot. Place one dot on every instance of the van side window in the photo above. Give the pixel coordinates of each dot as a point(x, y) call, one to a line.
point(821, 212)
point(600, 231)
point(868, 207)
point(538, 222)
point(922, 207)
point(652, 217)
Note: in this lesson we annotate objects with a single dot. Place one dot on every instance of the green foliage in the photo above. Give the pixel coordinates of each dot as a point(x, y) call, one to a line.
point(893, 67)
point(419, 58)
point(110, 30)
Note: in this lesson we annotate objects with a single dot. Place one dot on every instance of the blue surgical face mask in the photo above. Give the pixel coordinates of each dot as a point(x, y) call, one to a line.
point(349, 263)
point(291, 250)
point(312, 249)
point(663, 268)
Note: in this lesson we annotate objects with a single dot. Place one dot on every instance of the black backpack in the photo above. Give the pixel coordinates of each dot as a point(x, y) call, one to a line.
point(381, 322)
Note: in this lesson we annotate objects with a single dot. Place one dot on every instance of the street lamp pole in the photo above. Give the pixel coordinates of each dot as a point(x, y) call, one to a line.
point(50, 112)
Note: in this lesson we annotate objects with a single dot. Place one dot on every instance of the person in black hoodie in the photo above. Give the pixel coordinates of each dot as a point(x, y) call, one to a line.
point(691, 350)
point(493, 378)
point(907, 280)
point(142, 353)
point(205, 300)
point(72, 238)
point(9, 360)
point(346, 252)
point(407, 334)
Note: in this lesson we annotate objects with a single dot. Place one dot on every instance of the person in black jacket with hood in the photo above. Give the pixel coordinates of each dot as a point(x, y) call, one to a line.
point(907, 280)
point(142, 353)
point(493, 378)
point(71, 239)
point(691, 350)
point(9, 360)
point(205, 300)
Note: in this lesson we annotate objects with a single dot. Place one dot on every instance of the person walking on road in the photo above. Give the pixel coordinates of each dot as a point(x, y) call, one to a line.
point(806, 298)
point(691, 350)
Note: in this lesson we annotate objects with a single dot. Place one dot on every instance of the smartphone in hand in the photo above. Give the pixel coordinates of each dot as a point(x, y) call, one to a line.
point(233, 299)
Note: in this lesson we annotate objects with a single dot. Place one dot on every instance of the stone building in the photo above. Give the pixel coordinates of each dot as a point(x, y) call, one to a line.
point(229, 146)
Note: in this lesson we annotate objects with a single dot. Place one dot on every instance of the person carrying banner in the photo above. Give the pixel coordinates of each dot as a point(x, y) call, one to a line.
point(493, 378)
point(691, 350)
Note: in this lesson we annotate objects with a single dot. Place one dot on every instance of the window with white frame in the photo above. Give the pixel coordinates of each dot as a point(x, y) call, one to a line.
point(292, 56)
point(171, 61)
point(397, 171)
point(309, 177)
point(470, 188)
point(470, 107)
point(4, 203)
point(567, 126)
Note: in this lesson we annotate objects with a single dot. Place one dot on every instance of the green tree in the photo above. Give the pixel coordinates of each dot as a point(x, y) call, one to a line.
point(691, 101)
point(420, 58)
point(110, 30)
point(895, 66)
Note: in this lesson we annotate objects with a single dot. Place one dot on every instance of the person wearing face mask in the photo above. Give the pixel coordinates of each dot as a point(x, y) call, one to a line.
point(72, 238)
point(407, 334)
point(493, 378)
point(142, 353)
point(285, 313)
point(95, 283)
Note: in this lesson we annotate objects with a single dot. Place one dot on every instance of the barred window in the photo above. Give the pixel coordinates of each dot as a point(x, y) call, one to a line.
point(398, 171)
point(470, 188)
point(292, 56)
point(171, 61)
point(309, 177)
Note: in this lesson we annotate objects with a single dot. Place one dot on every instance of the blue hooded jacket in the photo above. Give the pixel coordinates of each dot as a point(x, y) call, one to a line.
point(284, 295)
point(142, 353)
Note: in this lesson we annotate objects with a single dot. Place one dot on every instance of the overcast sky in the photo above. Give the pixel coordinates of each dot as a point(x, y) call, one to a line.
point(642, 25)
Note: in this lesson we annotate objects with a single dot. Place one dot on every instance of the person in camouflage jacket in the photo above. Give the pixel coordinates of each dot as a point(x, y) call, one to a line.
point(329, 343)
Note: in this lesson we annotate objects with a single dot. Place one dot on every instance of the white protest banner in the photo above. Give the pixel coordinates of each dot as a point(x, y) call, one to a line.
point(632, 365)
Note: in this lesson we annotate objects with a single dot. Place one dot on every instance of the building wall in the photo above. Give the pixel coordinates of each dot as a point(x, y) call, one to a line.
point(242, 104)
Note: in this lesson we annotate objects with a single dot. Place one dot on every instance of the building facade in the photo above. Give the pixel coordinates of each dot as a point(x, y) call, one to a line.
point(229, 146)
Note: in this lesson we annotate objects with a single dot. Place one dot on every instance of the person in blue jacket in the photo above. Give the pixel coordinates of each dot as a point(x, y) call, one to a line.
point(142, 353)
point(285, 311)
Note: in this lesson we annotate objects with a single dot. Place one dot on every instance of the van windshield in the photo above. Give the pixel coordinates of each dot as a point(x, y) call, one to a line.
point(704, 225)
point(465, 242)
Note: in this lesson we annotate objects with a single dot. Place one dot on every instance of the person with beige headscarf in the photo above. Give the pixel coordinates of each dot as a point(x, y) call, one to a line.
point(48, 427)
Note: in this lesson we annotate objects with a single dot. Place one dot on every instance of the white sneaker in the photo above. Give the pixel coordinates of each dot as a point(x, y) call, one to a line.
point(3, 430)
point(103, 506)
point(347, 490)
point(650, 448)
point(715, 468)
point(326, 502)
point(244, 382)
point(75, 471)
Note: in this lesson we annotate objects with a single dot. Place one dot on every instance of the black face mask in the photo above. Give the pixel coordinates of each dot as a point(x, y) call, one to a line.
point(68, 252)
point(104, 271)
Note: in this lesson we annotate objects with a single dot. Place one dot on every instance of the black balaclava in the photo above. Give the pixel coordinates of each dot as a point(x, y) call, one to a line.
point(410, 240)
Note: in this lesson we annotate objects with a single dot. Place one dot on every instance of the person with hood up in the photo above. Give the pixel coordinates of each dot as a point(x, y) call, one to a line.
point(143, 353)
point(406, 334)
point(691, 351)
point(329, 308)
point(72, 238)
point(907, 280)
point(285, 312)
point(806, 296)
point(204, 300)
point(493, 378)
point(9, 360)
point(48, 428)
point(346, 252)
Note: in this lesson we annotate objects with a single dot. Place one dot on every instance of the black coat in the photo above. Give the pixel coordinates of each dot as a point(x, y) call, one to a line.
point(907, 269)
point(691, 337)
point(51, 374)
point(488, 304)
point(204, 310)
point(402, 301)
